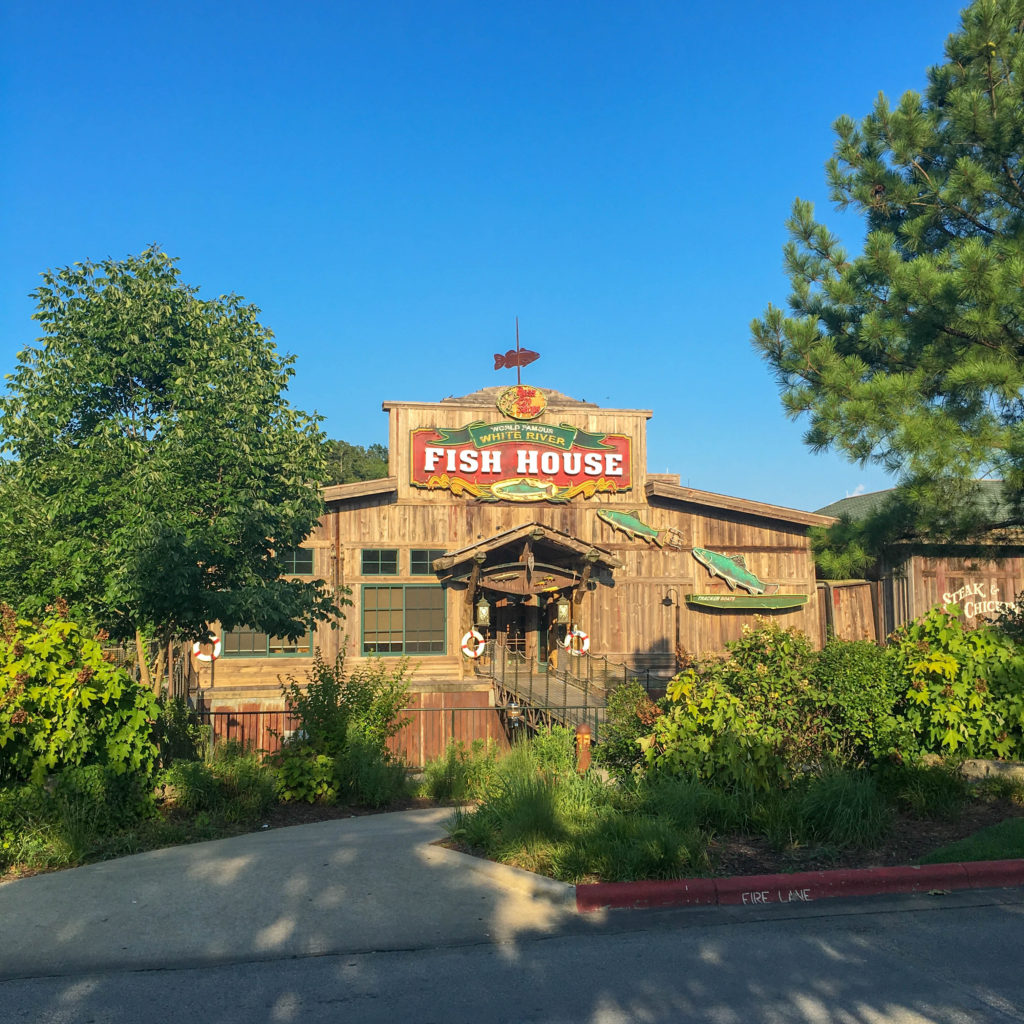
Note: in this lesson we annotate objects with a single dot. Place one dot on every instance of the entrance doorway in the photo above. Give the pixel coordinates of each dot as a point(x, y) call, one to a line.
point(525, 624)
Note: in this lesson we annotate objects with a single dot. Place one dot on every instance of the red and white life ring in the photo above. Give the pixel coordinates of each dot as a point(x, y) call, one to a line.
point(197, 650)
point(473, 644)
point(576, 642)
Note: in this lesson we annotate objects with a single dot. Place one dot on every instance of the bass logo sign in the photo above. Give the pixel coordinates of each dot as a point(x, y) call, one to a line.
point(521, 402)
point(516, 461)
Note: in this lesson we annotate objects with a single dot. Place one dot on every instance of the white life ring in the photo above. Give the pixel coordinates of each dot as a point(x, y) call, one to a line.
point(197, 650)
point(473, 644)
point(576, 642)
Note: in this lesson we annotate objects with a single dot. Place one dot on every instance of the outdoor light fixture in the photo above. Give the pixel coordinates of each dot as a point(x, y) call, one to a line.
point(563, 610)
point(514, 714)
point(483, 612)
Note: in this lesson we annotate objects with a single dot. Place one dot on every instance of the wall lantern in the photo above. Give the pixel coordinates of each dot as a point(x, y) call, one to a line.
point(483, 612)
point(563, 611)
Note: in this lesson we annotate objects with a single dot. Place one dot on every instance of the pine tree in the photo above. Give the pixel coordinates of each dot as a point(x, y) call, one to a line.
point(911, 355)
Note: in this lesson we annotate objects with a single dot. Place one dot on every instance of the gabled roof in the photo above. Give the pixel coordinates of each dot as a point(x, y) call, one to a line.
point(360, 489)
point(535, 531)
point(675, 492)
point(998, 511)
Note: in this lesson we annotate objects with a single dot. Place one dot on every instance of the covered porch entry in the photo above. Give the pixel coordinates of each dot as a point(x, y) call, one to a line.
point(525, 587)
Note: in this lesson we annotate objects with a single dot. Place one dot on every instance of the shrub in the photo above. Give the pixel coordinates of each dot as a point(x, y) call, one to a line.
point(339, 751)
point(630, 715)
point(553, 750)
point(63, 705)
point(624, 848)
point(964, 688)
point(689, 803)
point(235, 787)
point(177, 732)
point(332, 700)
point(80, 811)
point(751, 720)
point(860, 689)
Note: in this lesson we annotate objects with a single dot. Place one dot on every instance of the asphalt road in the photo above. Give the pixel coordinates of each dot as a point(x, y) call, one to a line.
point(914, 959)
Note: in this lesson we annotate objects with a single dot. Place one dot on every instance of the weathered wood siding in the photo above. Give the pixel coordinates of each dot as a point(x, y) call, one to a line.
point(637, 614)
point(849, 608)
point(433, 720)
point(980, 587)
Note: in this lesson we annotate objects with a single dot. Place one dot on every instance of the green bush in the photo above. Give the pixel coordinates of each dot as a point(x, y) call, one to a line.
point(773, 710)
point(553, 750)
point(548, 819)
point(690, 803)
point(339, 750)
point(78, 813)
point(860, 689)
point(63, 705)
point(751, 720)
point(304, 775)
point(332, 701)
point(368, 774)
point(633, 847)
point(178, 732)
point(235, 787)
point(964, 688)
point(630, 715)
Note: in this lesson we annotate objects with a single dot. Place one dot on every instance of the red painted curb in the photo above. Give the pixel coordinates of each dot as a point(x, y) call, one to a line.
point(679, 892)
point(993, 874)
point(802, 887)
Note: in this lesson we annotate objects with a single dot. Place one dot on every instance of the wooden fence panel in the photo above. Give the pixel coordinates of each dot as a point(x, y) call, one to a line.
point(848, 609)
point(434, 719)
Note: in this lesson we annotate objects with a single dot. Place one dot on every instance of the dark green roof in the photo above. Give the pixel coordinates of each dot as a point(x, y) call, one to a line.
point(860, 506)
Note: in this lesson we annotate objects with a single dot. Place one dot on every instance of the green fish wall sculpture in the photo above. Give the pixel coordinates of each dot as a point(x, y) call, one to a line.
point(732, 569)
point(630, 524)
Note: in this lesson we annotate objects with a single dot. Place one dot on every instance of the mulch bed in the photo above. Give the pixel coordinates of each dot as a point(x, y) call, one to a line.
point(910, 839)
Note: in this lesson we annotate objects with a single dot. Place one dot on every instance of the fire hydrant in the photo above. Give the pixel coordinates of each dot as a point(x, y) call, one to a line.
point(582, 748)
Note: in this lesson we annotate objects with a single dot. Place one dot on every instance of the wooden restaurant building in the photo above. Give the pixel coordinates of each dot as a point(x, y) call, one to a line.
point(524, 516)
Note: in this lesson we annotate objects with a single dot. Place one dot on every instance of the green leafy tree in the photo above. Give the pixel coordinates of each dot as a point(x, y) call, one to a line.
point(911, 355)
point(347, 463)
point(156, 473)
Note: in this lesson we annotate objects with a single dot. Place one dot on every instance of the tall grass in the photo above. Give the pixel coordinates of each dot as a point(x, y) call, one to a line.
point(461, 773)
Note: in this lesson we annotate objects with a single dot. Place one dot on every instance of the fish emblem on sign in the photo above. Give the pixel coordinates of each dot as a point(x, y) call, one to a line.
point(732, 569)
point(521, 402)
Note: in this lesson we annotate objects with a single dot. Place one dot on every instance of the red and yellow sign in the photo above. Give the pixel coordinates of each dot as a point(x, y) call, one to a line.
point(516, 461)
point(522, 402)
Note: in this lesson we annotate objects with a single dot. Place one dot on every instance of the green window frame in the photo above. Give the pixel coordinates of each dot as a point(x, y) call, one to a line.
point(297, 561)
point(250, 643)
point(421, 560)
point(408, 618)
point(379, 562)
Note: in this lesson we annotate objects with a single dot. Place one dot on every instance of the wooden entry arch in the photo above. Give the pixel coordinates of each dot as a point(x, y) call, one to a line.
point(522, 572)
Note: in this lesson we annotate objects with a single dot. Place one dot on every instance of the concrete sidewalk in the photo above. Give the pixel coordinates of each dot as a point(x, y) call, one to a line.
point(351, 885)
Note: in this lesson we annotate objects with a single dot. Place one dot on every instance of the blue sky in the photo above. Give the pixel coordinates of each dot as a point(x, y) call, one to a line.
point(394, 182)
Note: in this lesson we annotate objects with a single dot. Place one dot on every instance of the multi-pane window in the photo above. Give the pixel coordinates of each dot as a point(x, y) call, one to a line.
point(421, 561)
point(403, 620)
point(297, 561)
point(380, 562)
point(248, 643)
